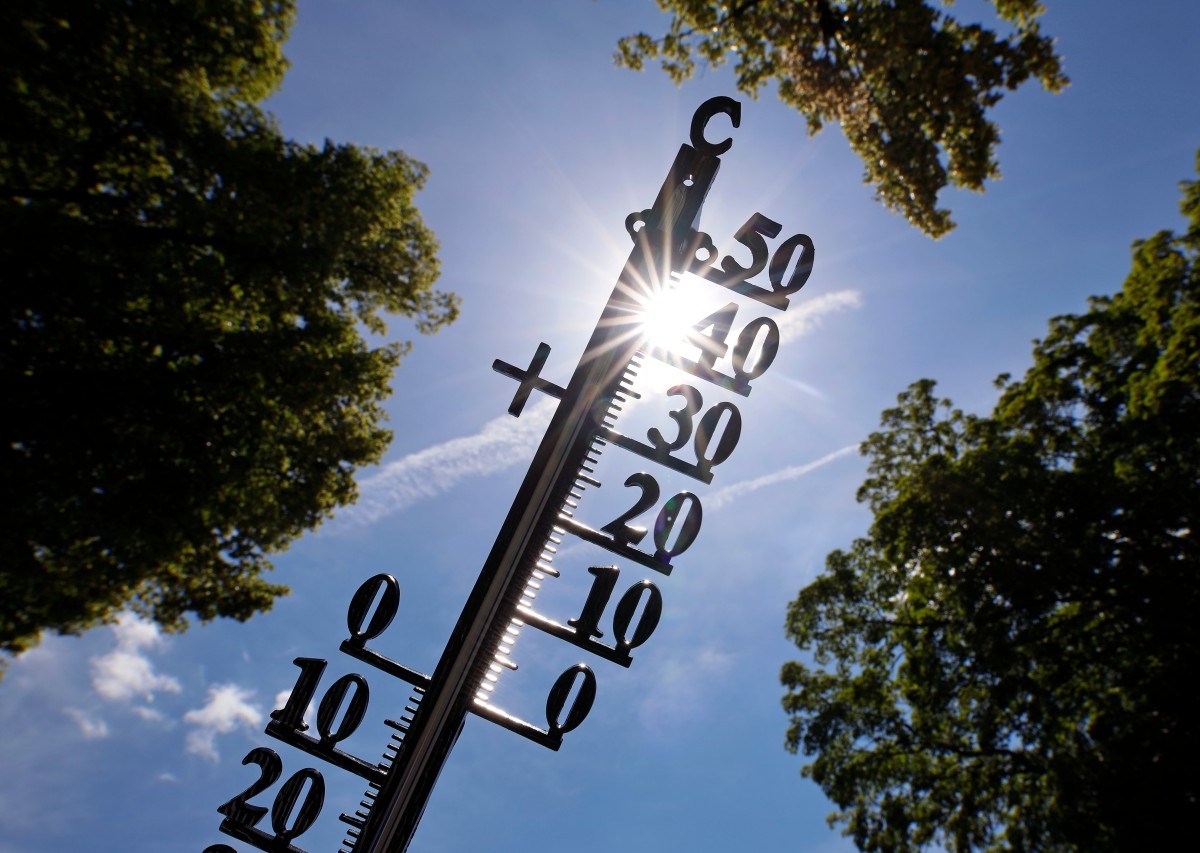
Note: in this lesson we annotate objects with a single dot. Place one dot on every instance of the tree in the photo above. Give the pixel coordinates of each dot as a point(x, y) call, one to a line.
point(185, 294)
point(1007, 660)
point(910, 85)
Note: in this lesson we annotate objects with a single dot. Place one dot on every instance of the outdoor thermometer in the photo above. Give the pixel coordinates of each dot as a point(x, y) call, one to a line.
point(604, 601)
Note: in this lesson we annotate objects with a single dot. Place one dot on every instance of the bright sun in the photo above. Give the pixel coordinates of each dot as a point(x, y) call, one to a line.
point(669, 316)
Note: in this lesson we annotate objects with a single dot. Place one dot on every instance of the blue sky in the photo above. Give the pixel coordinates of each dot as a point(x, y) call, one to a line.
point(538, 147)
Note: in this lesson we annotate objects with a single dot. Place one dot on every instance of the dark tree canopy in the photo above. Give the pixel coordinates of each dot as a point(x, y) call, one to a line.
point(188, 386)
point(909, 84)
point(1008, 660)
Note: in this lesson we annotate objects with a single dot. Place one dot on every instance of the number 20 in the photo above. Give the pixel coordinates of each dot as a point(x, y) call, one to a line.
point(626, 534)
point(239, 811)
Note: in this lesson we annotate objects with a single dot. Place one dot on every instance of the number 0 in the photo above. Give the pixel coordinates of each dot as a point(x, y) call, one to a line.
point(580, 706)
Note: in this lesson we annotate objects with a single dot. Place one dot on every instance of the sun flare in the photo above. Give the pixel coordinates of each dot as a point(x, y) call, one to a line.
point(670, 326)
point(670, 316)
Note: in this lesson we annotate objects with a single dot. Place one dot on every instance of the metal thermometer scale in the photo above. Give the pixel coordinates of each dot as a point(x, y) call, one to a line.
point(719, 358)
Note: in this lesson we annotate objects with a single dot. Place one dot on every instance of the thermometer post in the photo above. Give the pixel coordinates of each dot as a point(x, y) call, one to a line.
point(661, 245)
point(667, 244)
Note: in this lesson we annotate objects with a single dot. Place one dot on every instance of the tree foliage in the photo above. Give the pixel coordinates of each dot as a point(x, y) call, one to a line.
point(185, 296)
point(909, 84)
point(1007, 660)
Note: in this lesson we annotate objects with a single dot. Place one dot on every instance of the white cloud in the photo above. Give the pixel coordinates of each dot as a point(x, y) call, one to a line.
point(168, 778)
point(503, 442)
point(725, 496)
point(806, 316)
point(228, 708)
point(134, 632)
point(121, 676)
point(150, 715)
point(126, 673)
point(91, 726)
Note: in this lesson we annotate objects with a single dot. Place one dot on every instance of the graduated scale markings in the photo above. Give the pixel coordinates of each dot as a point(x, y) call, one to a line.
point(720, 356)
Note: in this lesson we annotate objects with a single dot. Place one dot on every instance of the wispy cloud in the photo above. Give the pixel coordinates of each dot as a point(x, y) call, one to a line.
point(725, 496)
point(228, 708)
point(150, 715)
point(507, 441)
point(806, 316)
point(126, 673)
point(92, 727)
point(503, 442)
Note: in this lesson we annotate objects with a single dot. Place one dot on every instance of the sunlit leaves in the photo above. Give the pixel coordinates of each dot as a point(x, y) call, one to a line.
point(185, 292)
point(909, 84)
point(1015, 639)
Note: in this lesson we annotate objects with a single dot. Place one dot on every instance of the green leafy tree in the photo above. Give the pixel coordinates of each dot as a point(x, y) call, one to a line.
point(185, 297)
point(1008, 660)
point(909, 84)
